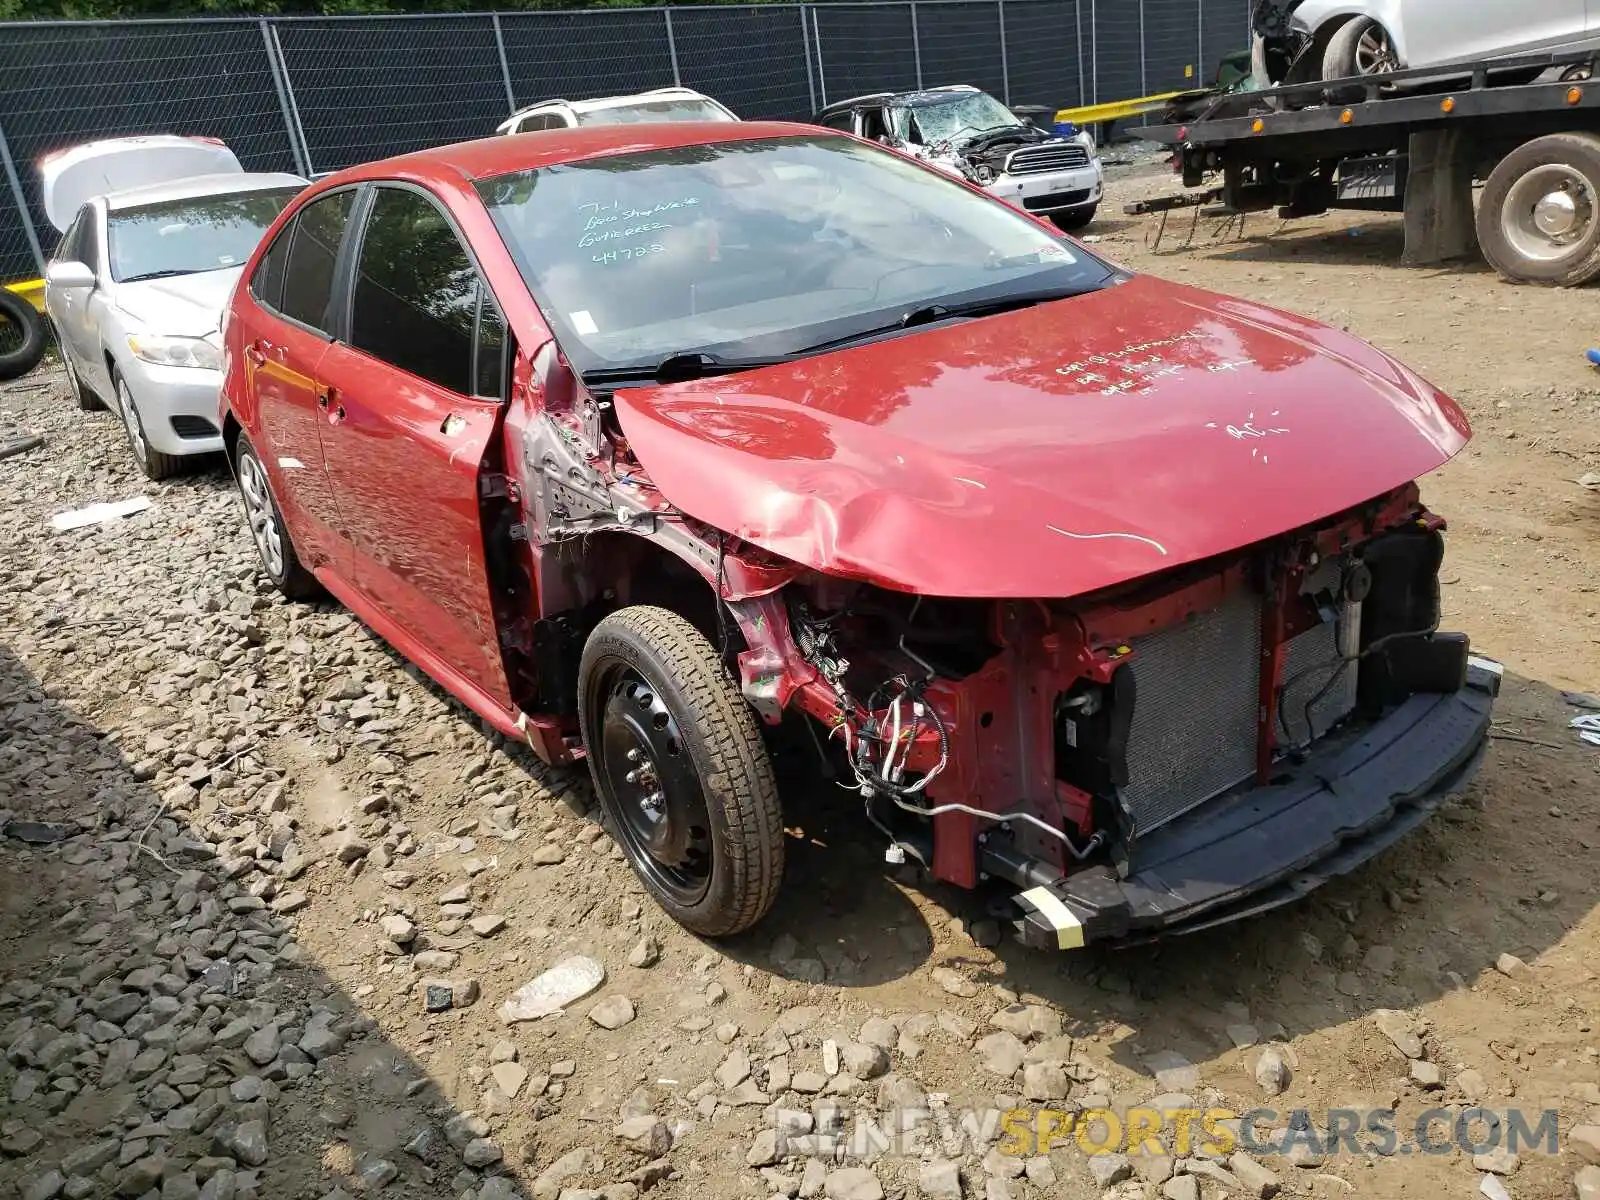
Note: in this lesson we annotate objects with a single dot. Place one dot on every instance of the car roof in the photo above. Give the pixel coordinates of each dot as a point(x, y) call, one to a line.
point(504, 155)
point(598, 102)
point(194, 186)
point(910, 99)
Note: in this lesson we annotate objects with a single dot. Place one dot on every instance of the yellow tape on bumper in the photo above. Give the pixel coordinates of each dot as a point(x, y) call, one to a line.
point(1069, 930)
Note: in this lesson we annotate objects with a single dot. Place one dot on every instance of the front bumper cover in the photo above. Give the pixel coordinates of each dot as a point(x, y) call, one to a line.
point(1265, 847)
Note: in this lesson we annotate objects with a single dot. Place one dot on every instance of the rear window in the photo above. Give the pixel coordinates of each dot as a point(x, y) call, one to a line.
point(186, 237)
point(308, 276)
point(646, 112)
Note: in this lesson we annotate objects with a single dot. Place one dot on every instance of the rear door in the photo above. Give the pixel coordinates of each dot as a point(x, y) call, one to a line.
point(1441, 31)
point(414, 402)
point(283, 343)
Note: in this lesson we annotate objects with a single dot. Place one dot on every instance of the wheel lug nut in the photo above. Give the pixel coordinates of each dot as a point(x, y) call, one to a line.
point(633, 755)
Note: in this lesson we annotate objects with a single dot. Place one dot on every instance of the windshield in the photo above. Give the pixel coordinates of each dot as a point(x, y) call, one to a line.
point(960, 117)
point(647, 112)
point(184, 237)
point(760, 247)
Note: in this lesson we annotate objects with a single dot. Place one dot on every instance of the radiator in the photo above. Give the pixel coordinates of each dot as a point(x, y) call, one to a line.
point(1196, 697)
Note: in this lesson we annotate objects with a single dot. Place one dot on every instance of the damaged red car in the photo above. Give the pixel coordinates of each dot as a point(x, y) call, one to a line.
point(646, 442)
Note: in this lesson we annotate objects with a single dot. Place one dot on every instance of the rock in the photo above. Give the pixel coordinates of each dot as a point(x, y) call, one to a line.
point(613, 1012)
point(247, 1142)
point(289, 902)
point(1499, 1161)
point(262, 1046)
point(1471, 1084)
point(441, 995)
point(1272, 1072)
point(1510, 966)
point(985, 932)
point(940, 1179)
point(1587, 1183)
point(1153, 1168)
point(865, 1061)
point(503, 1051)
point(763, 1151)
point(1243, 1036)
point(1379, 960)
point(350, 847)
point(954, 982)
point(509, 1077)
point(647, 1135)
point(548, 855)
point(1181, 1187)
point(571, 1165)
point(1045, 1081)
point(1399, 1029)
point(1426, 1075)
point(398, 929)
point(877, 1031)
point(1027, 1021)
point(1108, 1169)
point(480, 1153)
point(1041, 1172)
point(1173, 1072)
point(808, 1083)
point(1257, 1181)
point(435, 962)
point(1000, 1054)
point(487, 925)
point(812, 1178)
point(570, 979)
point(44, 1187)
point(1584, 1142)
point(321, 1038)
point(830, 1057)
point(852, 1183)
point(1006, 1166)
point(1491, 1187)
point(652, 1173)
point(735, 1069)
point(646, 953)
point(376, 1174)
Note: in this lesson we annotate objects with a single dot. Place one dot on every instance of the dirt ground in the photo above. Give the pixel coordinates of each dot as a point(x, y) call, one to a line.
point(154, 696)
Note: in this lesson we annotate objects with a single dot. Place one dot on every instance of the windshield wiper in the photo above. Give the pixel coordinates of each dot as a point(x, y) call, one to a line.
point(681, 366)
point(166, 274)
point(927, 314)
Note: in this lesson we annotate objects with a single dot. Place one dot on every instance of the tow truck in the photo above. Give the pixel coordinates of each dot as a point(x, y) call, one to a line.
point(1413, 142)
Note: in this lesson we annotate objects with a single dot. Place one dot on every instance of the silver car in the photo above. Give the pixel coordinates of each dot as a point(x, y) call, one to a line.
point(1302, 40)
point(136, 290)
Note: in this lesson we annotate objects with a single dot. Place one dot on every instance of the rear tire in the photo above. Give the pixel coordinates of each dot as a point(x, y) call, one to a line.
point(279, 562)
point(1539, 216)
point(1360, 47)
point(22, 335)
point(1075, 219)
point(681, 770)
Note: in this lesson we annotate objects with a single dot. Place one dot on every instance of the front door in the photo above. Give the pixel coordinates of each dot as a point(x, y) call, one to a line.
point(413, 403)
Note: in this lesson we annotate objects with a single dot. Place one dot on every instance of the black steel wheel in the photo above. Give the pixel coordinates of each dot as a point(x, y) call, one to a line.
point(681, 771)
point(22, 336)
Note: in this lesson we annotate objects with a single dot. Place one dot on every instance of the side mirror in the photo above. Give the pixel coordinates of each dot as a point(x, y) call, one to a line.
point(70, 275)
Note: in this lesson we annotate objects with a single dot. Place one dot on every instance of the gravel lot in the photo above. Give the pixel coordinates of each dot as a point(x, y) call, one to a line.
point(279, 847)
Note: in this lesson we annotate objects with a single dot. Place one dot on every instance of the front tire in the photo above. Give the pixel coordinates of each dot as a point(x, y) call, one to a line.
point(279, 563)
point(1539, 216)
point(1074, 219)
point(152, 462)
point(681, 770)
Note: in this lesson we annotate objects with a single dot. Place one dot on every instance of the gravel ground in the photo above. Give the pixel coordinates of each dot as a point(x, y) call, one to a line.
point(264, 890)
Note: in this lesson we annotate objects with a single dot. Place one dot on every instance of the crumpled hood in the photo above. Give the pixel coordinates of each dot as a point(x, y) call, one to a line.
point(182, 305)
point(1048, 452)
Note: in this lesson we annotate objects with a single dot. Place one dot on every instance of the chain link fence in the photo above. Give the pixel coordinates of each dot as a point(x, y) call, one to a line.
point(315, 94)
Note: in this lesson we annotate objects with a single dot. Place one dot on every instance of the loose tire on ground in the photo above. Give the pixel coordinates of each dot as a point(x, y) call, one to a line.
point(22, 335)
point(662, 719)
point(279, 562)
point(1509, 211)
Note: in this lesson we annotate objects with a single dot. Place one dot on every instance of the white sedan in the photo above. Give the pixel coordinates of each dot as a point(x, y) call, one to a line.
point(1337, 39)
point(136, 288)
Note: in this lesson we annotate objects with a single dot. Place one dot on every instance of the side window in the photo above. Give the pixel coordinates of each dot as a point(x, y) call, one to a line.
point(76, 240)
point(416, 292)
point(489, 350)
point(843, 121)
point(536, 121)
point(308, 276)
point(266, 285)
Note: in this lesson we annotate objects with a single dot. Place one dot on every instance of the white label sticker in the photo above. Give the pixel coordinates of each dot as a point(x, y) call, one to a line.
point(583, 322)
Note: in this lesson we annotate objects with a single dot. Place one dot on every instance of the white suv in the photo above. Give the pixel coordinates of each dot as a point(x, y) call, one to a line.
point(662, 104)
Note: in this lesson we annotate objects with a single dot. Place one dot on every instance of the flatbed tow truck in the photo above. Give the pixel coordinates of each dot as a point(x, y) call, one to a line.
point(1414, 142)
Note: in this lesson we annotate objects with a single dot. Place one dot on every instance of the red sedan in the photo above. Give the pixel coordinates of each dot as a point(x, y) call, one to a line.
point(640, 439)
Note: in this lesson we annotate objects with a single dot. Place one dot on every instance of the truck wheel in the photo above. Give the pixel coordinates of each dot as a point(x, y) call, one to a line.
point(1539, 217)
point(1360, 47)
point(681, 771)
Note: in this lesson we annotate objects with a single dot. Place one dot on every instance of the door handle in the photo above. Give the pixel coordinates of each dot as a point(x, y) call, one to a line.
point(329, 403)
